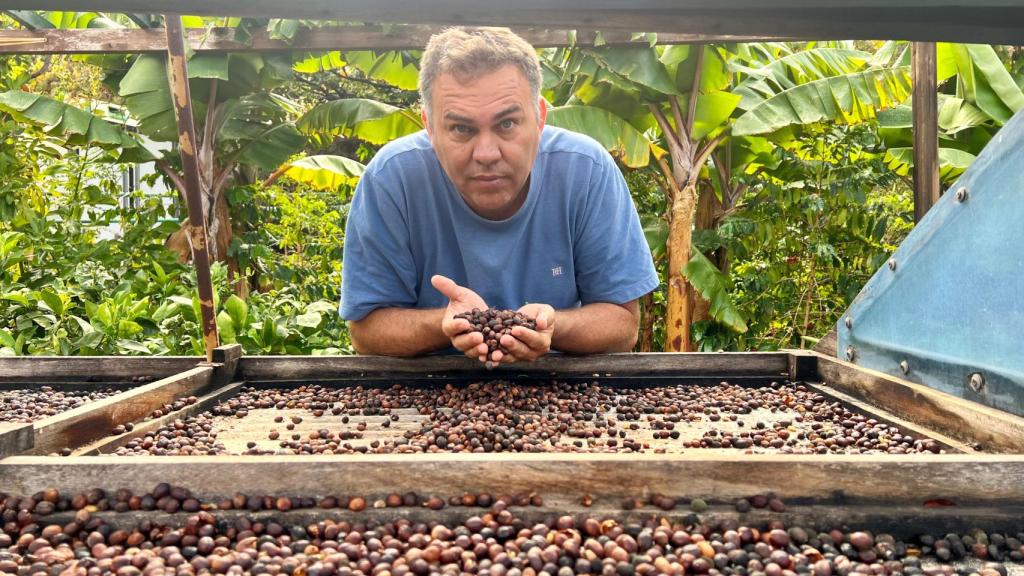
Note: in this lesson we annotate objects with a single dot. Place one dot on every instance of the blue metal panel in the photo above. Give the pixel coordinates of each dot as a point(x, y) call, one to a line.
point(947, 311)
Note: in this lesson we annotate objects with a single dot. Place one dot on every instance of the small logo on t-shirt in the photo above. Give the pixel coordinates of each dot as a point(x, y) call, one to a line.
point(556, 271)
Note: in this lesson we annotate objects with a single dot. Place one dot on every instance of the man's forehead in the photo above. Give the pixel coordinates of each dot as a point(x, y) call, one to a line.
point(464, 115)
point(467, 76)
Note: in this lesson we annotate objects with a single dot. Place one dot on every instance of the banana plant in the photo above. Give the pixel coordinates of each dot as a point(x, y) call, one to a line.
point(709, 112)
point(977, 95)
point(242, 124)
point(321, 172)
point(714, 287)
point(73, 126)
point(239, 122)
point(368, 120)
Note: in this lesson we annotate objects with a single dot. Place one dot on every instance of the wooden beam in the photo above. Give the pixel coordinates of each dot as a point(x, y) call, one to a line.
point(95, 420)
point(926, 127)
point(413, 37)
point(985, 428)
point(902, 521)
point(225, 363)
point(803, 364)
point(52, 369)
point(109, 444)
point(820, 479)
point(188, 145)
point(708, 366)
point(980, 21)
point(15, 438)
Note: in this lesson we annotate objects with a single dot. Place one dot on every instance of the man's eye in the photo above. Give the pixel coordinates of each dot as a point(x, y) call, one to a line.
point(461, 129)
point(507, 124)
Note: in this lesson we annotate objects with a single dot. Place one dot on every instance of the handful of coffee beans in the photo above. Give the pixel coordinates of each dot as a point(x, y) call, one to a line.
point(493, 324)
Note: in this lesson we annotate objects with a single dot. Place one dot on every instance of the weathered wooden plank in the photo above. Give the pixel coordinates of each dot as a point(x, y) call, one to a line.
point(402, 37)
point(721, 365)
point(963, 479)
point(880, 414)
point(983, 21)
point(901, 521)
point(91, 368)
point(96, 419)
point(108, 444)
point(225, 363)
point(15, 438)
point(925, 106)
point(986, 428)
point(181, 95)
point(803, 364)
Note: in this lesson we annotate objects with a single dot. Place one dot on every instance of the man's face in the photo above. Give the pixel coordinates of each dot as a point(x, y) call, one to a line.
point(486, 133)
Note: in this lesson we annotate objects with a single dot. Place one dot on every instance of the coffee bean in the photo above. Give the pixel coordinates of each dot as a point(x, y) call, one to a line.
point(30, 404)
point(494, 324)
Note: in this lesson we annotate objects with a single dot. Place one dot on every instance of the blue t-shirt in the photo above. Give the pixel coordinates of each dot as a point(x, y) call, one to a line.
point(576, 240)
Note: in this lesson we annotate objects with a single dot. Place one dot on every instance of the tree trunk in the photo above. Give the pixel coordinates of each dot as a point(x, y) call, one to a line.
point(219, 229)
point(680, 235)
point(708, 206)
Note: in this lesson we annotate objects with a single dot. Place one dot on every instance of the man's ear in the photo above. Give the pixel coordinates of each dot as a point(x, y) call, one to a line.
point(543, 106)
point(426, 124)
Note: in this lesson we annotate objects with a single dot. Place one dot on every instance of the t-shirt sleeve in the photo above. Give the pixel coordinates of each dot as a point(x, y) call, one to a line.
point(377, 269)
point(612, 259)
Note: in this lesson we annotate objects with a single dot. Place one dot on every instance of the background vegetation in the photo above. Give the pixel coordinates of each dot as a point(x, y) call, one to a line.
point(774, 219)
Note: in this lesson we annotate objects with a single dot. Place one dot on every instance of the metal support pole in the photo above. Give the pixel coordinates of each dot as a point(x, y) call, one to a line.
point(926, 128)
point(182, 97)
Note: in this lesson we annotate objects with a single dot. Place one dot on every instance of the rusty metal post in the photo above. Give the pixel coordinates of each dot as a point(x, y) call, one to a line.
point(182, 97)
point(925, 106)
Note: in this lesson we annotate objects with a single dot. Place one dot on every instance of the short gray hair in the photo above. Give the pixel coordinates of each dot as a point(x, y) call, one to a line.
point(467, 53)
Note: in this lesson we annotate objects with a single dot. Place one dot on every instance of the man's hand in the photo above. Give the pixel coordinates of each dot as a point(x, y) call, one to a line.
point(525, 345)
point(461, 299)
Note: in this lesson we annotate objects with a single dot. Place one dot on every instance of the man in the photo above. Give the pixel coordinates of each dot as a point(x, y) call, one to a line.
point(488, 208)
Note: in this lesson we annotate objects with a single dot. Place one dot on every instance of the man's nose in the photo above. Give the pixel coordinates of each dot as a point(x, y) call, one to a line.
point(486, 149)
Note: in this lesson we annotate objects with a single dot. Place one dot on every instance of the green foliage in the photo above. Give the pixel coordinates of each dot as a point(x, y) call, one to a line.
point(805, 238)
point(620, 138)
point(952, 162)
point(297, 245)
point(324, 172)
point(74, 126)
point(69, 285)
point(82, 275)
point(823, 207)
point(978, 94)
point(850, 99)
point(369, 120)
point(714, 286)
point(279, 324)
point(396, 68)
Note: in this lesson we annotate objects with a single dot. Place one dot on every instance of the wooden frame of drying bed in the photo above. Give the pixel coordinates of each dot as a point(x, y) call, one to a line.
point(981, 485)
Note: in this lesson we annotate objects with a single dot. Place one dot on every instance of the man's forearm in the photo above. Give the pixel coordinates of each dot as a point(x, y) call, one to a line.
point(597, 328)
point(399, 332)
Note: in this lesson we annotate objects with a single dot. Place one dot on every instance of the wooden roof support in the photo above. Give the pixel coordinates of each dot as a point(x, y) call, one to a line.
point(153, 40)
point(981, 21)
point(198, 236)
point(926, 128)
